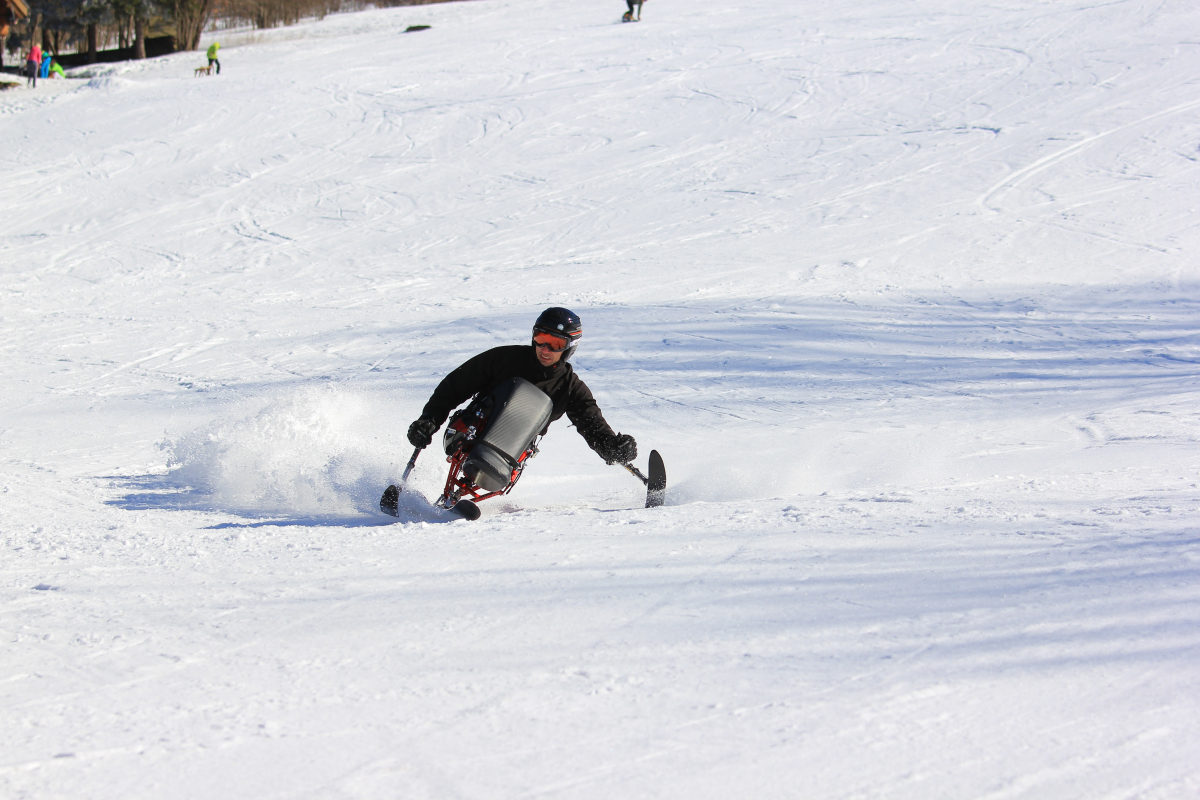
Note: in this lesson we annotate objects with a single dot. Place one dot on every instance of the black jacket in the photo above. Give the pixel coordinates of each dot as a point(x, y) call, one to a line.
point(480, 373)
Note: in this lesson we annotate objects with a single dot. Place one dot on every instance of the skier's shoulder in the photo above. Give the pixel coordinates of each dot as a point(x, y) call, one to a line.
point(506, 354)
point(494, 354)
point(495, 363)
point(576, 387)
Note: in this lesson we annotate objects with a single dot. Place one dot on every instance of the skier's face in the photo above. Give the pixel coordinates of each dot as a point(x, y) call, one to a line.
point(549, 349)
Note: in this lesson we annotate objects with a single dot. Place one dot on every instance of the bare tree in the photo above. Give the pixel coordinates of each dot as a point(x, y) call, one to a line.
point(191, 17)
point(264, 14)
point(131, 18)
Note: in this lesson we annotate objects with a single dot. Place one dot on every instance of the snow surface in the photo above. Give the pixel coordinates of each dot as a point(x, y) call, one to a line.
point(901, 290)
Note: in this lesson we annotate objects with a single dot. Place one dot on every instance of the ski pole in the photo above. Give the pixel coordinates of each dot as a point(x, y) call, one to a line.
point(655, 482)
point(390, 502)
point(412, 462)
point(635, 472)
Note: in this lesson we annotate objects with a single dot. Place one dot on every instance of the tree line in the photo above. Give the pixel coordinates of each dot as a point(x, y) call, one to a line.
point(88, 26)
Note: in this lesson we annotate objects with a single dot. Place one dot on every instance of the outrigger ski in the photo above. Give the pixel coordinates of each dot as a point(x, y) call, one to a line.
point(655, 479)
point(390, 502)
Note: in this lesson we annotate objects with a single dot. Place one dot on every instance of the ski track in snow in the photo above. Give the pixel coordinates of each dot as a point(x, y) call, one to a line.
point(903, 295)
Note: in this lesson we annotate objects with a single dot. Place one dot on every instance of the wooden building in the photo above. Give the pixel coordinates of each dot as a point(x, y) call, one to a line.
point(11, 12)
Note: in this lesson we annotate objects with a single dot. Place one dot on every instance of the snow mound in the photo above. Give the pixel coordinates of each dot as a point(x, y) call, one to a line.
point(108, 83)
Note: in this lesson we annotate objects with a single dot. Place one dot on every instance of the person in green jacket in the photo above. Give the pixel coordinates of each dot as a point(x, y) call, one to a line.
point(212, 56)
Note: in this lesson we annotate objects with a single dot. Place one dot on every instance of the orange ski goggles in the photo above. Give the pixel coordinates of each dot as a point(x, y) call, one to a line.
point(555, 344)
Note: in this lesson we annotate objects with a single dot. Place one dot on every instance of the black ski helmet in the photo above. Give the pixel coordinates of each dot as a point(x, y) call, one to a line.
point(560, 322)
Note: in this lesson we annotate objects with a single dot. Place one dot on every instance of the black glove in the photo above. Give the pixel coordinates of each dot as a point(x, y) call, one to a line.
point(620, 449)
point(420, 433)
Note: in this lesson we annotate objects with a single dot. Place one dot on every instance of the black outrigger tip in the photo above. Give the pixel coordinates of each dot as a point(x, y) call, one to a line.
point(656, 481)
point(390, 502)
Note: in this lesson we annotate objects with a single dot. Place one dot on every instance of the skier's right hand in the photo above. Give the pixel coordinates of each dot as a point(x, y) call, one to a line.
point(420, 433)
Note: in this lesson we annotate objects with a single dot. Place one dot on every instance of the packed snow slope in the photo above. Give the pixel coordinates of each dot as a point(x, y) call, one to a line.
point(904, 291)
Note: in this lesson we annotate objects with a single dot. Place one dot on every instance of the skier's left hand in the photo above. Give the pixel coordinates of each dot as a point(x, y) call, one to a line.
point(620, 449)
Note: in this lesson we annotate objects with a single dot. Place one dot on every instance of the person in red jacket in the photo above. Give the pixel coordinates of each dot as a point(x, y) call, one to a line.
point(33, 63)
point(556, 335)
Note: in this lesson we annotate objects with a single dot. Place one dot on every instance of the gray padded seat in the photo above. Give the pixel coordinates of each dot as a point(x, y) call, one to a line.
point(520, 411)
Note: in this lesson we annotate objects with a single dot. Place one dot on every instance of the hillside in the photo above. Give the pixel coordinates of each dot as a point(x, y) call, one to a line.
point(902, 291)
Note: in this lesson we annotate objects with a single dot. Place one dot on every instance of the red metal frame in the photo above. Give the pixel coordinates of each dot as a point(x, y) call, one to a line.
point(459, 488)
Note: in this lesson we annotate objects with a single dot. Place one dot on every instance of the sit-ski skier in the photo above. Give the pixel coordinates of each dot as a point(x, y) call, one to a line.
point(556, 334)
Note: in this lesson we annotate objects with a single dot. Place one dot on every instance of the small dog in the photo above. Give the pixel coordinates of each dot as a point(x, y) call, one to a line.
point(204, 70)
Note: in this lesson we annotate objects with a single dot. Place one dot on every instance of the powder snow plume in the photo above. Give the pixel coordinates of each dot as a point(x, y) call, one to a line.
point(309, 451)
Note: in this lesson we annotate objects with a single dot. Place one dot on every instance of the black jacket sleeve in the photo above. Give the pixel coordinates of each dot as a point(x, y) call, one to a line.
point(468, 379)
point(584, 413)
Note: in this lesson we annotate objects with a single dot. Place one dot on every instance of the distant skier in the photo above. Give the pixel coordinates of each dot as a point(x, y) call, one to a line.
point(628, 16)
point(556, 334)
point(212, 56)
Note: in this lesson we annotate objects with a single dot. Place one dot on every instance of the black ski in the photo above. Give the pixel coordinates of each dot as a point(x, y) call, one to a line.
point(466, 509)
